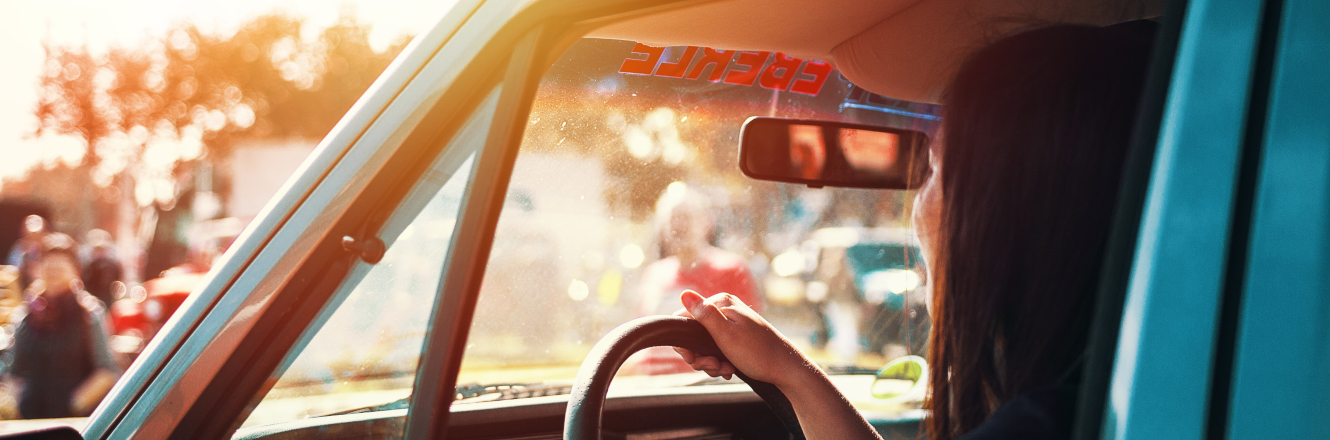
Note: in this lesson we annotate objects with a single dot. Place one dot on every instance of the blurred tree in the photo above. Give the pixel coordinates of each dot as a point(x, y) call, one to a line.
point(265, 80)
point(152, 116)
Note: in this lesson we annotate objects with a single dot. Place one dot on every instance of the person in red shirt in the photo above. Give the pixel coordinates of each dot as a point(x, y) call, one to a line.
point(690, 262)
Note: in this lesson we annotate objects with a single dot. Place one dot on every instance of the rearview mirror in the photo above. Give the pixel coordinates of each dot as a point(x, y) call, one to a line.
point(823, 153)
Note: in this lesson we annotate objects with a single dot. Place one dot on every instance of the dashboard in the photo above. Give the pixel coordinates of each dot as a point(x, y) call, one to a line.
point(717, 412)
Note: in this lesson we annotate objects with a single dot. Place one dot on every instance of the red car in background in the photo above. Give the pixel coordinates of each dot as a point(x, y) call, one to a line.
point(140, 314)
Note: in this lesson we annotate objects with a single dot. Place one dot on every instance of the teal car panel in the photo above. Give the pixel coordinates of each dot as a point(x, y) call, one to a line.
point(1282, 353)
point(1161, 376)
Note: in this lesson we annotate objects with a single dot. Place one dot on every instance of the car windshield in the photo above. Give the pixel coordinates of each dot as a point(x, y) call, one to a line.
point(626, 190)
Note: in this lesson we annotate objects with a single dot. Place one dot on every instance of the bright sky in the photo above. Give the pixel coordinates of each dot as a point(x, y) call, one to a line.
point(104, 23)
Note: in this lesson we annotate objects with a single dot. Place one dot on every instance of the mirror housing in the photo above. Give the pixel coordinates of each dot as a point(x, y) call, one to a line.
point(903, 379)
point(824, 153)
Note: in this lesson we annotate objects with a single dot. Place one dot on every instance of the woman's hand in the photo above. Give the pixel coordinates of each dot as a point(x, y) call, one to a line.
point(755, 347)
point(749, 342)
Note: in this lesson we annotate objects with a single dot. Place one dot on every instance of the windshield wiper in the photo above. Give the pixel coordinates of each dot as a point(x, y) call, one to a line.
point(837, 370)
point(402, 403)
point(506, 391)
point(509, 391)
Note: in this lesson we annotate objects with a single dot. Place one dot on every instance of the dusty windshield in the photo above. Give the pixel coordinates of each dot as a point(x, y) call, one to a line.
point(626, 191)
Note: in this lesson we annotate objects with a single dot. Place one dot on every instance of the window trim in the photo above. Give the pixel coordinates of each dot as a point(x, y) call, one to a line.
point(1120, 252)
point(464, 268)
point(193, 383)
point(465, 145)
point(155, 372)
point(1170, 323)
point(193, 389)
point(1280, 327)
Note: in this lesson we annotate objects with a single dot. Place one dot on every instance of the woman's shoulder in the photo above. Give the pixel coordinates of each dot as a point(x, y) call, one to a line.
point(1045, 413)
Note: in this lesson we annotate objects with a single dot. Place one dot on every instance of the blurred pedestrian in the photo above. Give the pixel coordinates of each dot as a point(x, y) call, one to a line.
point(27, 248)
point(62, 364)
point(102, 270)
point(690, 261)
point(11, 300)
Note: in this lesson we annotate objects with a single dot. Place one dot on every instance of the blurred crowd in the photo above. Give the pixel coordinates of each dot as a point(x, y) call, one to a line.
point(54, 325)
point(71, 321)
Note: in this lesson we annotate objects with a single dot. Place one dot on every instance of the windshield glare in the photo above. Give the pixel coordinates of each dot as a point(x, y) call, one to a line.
point(626, 190)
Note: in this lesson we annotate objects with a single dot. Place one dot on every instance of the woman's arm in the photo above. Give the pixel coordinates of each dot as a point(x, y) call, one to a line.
point(753, 346)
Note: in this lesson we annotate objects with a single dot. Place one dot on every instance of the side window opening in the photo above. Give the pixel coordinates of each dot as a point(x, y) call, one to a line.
point(361, 353)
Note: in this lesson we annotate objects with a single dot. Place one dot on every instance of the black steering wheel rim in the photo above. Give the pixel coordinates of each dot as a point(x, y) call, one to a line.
point(582, 419)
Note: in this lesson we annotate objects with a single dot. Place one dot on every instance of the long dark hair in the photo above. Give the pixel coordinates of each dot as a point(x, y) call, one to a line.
point(1035, 130)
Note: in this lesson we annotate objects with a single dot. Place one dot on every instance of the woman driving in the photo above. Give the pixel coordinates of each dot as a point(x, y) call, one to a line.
point(1013, 221)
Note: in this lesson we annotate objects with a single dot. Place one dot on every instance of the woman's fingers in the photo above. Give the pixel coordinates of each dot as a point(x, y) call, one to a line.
point(726, 300)
point(720, 373)
point(724, 370)
point(705, 363)
point(737, 330)
point(708, 310)
point(687, 354)
point(712, 366)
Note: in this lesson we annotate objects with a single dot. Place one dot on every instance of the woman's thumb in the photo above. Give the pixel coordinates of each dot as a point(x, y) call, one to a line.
point(697, 306)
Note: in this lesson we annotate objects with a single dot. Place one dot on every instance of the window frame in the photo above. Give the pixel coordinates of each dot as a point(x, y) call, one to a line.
point(1280, 322)
point(215, 353)
point(457, 158)
point(290, 261)
point(1174, 351)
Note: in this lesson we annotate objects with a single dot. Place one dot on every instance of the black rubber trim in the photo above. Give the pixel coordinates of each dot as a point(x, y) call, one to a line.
point(1120, 252)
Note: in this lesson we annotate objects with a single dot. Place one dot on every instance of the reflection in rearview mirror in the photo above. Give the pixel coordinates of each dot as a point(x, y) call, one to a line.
point(822, 153)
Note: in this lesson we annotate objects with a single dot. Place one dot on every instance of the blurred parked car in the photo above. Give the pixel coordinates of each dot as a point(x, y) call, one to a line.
point(878, 275)
point(140, 314)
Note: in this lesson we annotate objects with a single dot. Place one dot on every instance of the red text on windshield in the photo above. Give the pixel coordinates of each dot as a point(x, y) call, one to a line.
point(784, 73)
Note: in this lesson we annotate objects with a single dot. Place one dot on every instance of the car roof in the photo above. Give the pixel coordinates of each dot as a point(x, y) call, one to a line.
point(904, 49)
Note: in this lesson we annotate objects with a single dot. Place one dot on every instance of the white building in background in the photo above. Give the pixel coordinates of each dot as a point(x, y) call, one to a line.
point(259, 168)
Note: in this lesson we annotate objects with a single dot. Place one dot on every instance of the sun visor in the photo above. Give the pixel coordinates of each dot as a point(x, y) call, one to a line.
point(913, 54)
point(800, 28)
point(905, 49)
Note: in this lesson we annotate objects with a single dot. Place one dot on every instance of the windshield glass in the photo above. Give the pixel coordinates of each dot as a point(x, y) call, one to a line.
point(626, 190)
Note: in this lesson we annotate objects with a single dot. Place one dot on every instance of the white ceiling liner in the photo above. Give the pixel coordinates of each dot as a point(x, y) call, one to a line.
point(904, 49)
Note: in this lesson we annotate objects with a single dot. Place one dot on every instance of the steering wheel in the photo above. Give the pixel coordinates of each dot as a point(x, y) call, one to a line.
point(581, 421)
